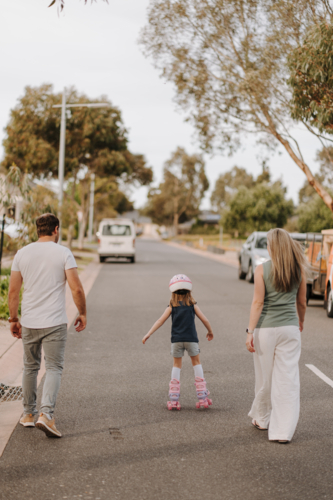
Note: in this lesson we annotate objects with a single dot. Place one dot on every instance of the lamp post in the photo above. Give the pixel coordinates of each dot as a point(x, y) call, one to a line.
point(61, 167)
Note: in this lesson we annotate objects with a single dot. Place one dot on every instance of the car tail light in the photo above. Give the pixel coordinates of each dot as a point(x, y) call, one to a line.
point(99, 241)
point(134, 243)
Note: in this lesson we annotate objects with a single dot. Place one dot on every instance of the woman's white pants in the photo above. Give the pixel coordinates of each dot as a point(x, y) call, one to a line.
point(277, 389)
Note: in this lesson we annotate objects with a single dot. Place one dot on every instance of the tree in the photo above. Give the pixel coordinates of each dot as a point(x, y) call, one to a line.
point(228, 62)
point(96, 142)
point(314, 215)
point(311, 74)
point(227, 184)
point(257, 209)
point(179, 196)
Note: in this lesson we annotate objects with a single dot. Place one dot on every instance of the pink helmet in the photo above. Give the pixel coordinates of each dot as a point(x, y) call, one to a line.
point(180, 282)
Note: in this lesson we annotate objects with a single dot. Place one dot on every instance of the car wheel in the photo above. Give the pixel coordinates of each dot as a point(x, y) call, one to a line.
point(102, 259)
point(329, 307)
point(132, 260)
point(241, 274)
point(250, 275)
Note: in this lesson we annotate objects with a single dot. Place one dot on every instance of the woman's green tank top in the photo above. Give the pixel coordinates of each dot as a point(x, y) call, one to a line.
point(279, 307)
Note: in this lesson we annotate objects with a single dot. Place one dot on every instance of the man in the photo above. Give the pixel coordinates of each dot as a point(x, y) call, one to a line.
point(44, 267)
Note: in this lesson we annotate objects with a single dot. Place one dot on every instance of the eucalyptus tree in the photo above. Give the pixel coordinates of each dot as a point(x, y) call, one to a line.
point(228, 61)
point(179, 195)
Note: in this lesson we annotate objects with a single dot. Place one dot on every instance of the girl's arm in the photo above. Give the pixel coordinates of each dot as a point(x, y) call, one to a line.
point(257, 305)
point(205, 321)
point(301, 302)
point(157, 324)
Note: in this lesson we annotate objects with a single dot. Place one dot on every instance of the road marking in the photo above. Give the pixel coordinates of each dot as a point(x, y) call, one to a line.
point(320, 374)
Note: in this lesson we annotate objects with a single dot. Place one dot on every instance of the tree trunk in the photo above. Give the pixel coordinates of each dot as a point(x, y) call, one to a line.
point(175, 223)
point(324, 195)
point(84, 210)
point(70, 232)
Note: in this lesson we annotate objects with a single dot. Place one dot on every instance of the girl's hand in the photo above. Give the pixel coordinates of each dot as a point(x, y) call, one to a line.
point(209, 336)
point(145, 338)
point(249, 342)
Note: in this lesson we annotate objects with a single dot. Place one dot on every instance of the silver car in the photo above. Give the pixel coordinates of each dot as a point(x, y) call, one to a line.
point(254, 252)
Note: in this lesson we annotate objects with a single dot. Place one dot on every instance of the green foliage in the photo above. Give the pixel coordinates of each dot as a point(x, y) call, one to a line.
point(227, 184)
point(257, 209)
point(227, 60)
point(311, 78)
point(203, 229)
point(95, 137)
point(178, 197)
point(314, 216)
point(5, 271)
point(4, 288)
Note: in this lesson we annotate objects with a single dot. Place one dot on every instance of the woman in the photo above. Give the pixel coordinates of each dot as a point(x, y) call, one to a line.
point(274, 336)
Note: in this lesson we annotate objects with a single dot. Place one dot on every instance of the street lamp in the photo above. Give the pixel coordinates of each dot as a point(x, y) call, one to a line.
point(61, 168)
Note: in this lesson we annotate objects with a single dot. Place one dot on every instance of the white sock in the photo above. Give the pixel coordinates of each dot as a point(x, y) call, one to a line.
point(175, 373)
point(198, 371)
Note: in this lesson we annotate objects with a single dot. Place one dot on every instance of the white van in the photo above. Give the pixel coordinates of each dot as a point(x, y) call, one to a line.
point(116, 238)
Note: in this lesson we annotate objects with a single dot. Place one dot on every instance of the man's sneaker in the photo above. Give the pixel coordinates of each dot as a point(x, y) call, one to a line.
point(27, 420)
point(47, 424)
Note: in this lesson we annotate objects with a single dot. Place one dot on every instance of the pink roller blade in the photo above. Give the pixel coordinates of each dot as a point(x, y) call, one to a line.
point(174, 393)
point(202, 393)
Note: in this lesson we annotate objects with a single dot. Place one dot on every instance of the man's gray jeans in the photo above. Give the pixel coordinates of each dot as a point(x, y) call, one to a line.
point(53, 341)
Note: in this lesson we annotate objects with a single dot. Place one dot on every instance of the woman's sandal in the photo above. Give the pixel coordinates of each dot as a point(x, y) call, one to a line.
point(254, 423)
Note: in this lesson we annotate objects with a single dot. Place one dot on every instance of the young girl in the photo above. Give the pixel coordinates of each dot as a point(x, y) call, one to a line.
point(183, 309)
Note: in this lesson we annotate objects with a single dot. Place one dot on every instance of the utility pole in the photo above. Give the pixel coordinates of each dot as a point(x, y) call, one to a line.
point(61, 168)
point(91, 208)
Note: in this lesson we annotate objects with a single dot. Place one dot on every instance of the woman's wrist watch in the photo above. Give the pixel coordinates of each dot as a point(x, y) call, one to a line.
point(249, 331)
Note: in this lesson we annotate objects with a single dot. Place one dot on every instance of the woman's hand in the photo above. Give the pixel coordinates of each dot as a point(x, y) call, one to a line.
point(209, 336)
point(145, 338)
point(249, 342)
point(301, 326)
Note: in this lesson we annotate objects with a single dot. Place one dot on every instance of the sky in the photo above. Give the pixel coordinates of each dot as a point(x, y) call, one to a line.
point(94, 48)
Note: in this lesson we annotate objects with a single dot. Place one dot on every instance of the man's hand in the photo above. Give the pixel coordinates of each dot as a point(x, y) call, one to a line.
point(16, 330)
point(209, 336)
point(80, 323)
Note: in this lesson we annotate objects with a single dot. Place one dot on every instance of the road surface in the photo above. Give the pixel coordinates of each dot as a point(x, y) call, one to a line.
point(120, 441)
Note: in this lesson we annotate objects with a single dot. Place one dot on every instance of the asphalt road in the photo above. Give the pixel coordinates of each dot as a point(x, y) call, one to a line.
point(120, 441)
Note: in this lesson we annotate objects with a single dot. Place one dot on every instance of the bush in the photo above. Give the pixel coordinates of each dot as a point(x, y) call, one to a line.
point(4, 288)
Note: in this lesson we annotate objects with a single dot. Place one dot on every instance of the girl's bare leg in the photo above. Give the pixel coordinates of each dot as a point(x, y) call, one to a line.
point(177, 362)
point(195, 360)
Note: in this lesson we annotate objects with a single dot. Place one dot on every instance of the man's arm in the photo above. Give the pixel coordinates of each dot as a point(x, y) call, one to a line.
point(14, 301)
point(79, 298)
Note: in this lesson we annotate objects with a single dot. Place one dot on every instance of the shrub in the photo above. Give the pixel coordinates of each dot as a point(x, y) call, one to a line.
point(4, 288)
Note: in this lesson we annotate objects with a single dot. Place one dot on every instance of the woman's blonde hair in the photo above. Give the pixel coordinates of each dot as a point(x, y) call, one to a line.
point(186, 299)
point(288, 260)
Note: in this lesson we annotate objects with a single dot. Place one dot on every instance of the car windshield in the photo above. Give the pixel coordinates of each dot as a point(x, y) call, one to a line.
point(116, 230)
point(261, 243)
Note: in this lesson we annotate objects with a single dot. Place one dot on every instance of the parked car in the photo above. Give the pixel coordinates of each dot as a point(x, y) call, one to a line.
point(116, 238)
point(254, 252)
point(319, 252)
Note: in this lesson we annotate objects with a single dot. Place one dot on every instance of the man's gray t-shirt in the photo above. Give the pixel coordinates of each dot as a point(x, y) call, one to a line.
point(42, 266)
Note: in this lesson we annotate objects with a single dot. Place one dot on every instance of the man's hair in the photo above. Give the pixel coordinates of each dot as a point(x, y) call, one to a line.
point(46, 224)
